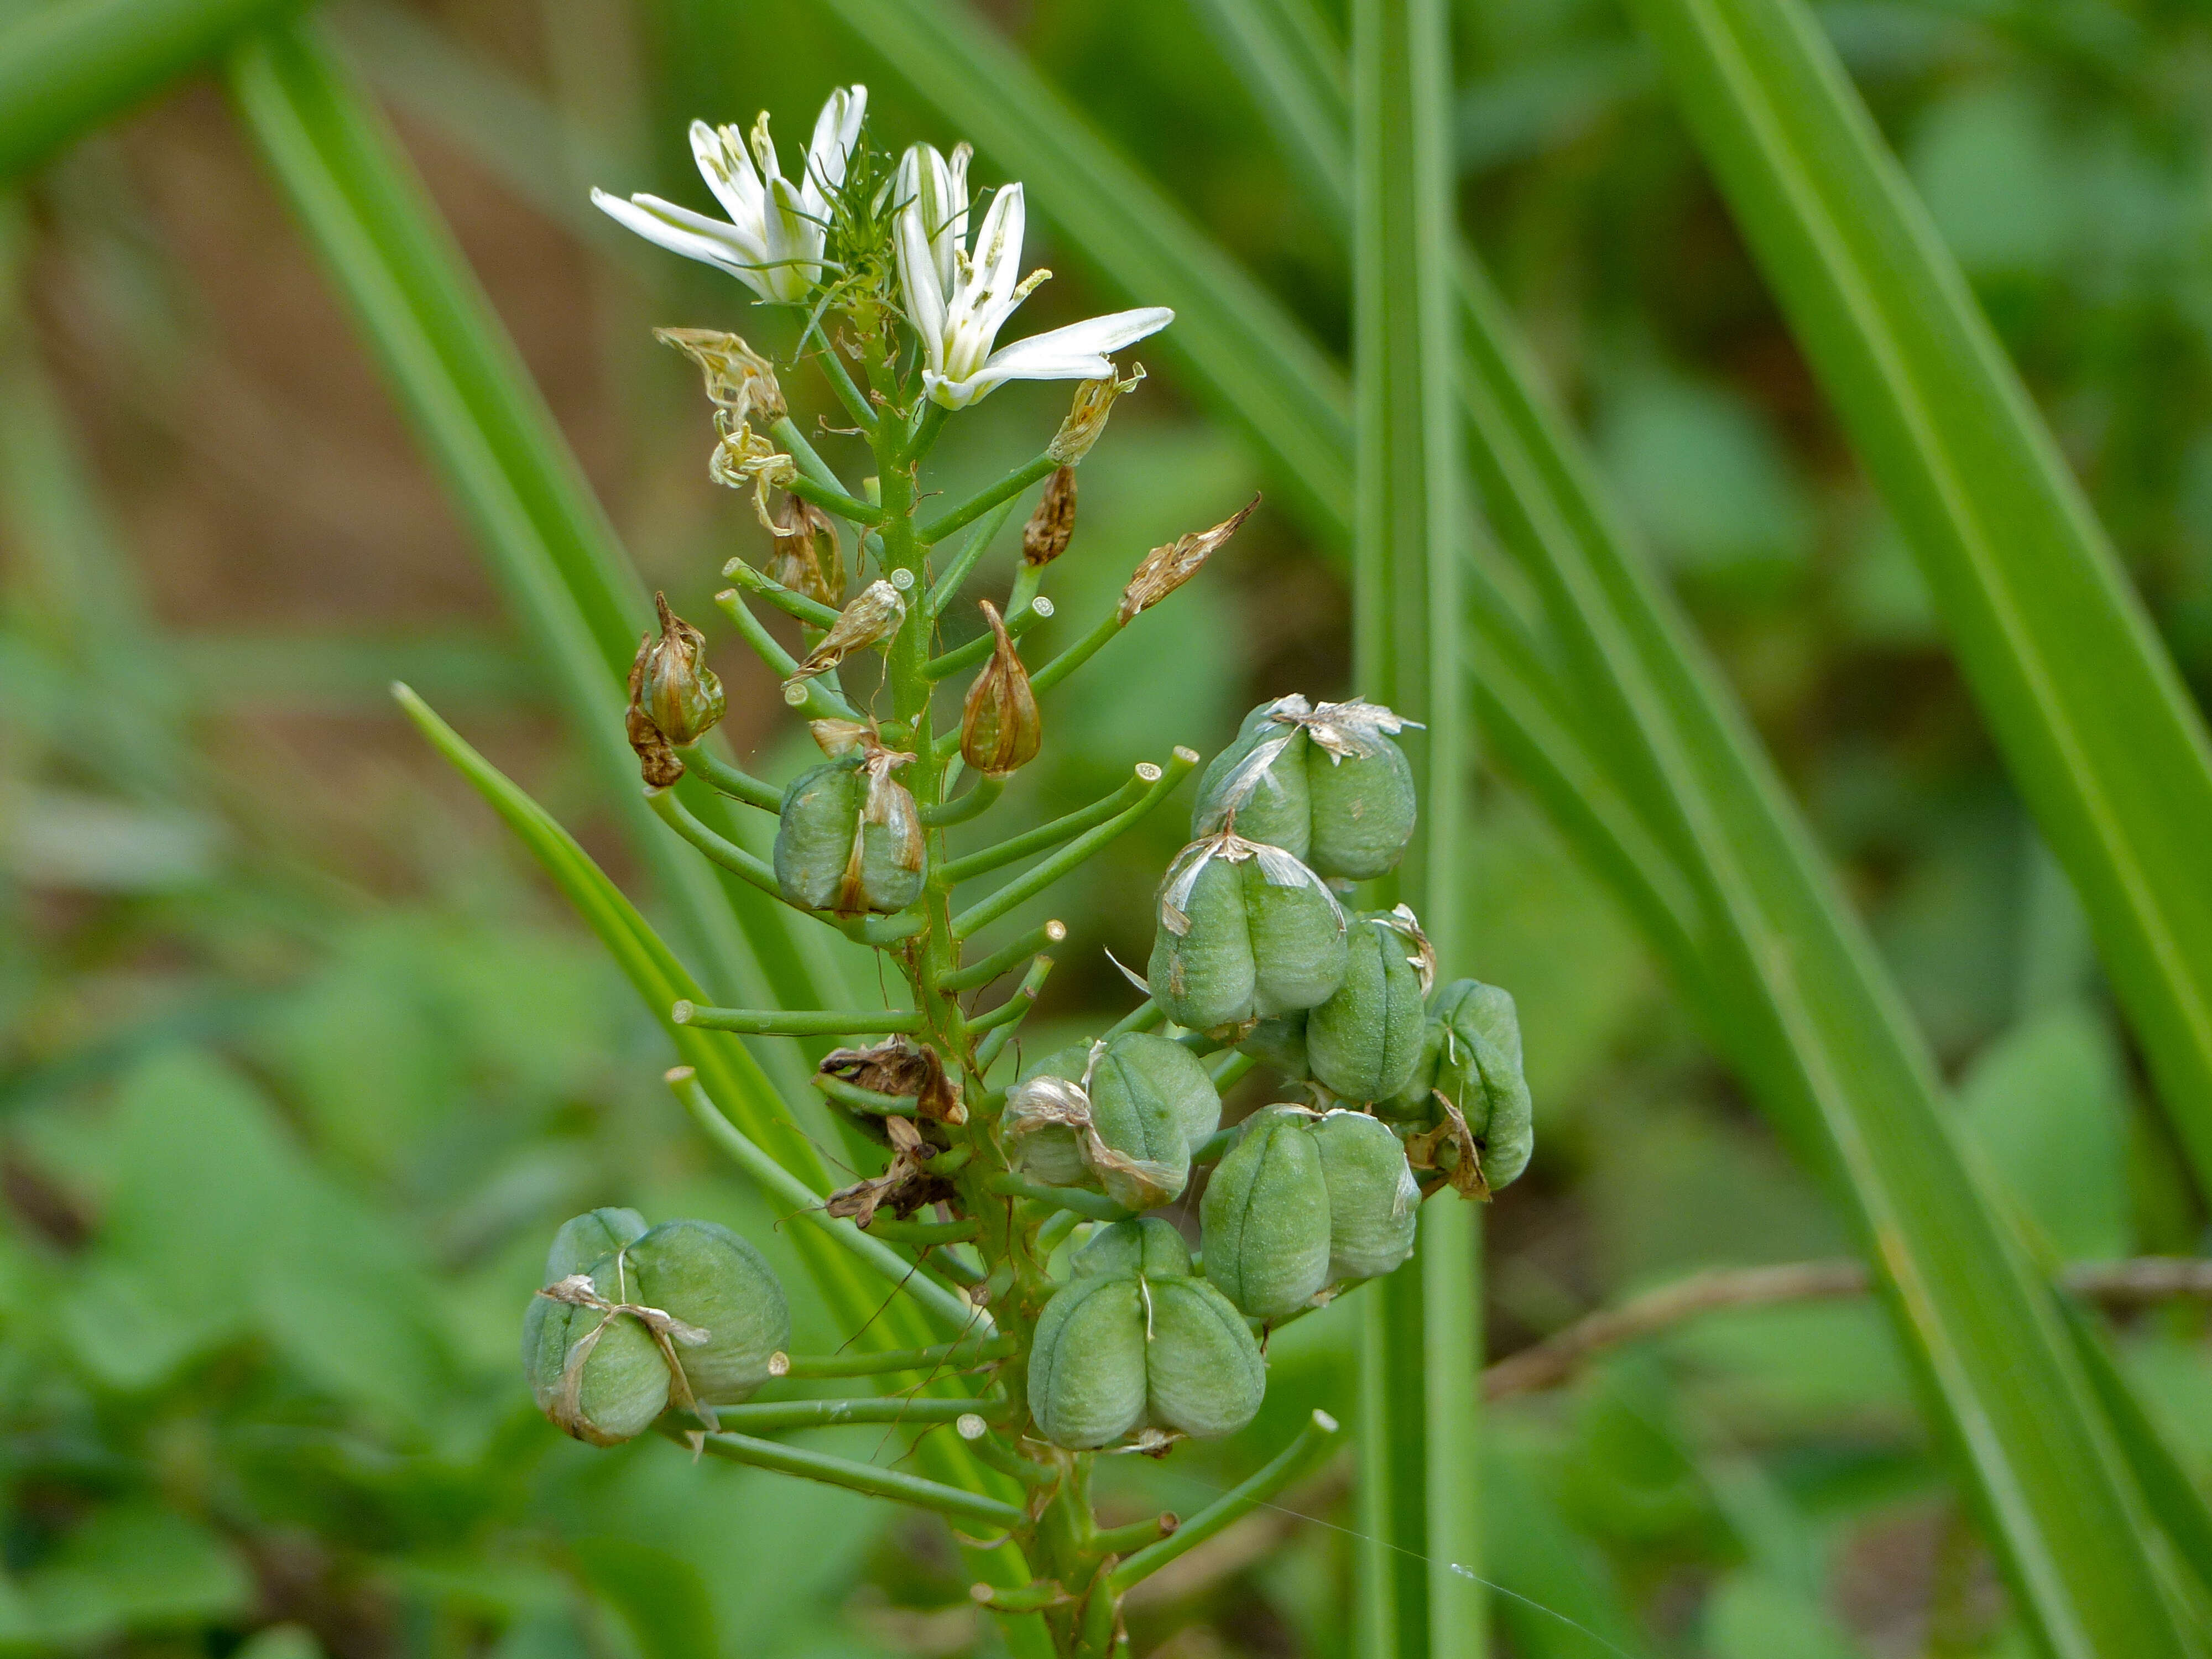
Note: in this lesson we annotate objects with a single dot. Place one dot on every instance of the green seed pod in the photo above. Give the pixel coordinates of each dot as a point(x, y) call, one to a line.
point(589, 1238)
point(1471, 1056)
point(1245, 932)
point(1302, 1201)
point(1373, 1199)
point(849, 837)
point(1265, 1216)
point(1364, 1043)
point(1327, 784)
point(1121, 1117)
point(598, 1375)
point(1133, 1339)
point(707, 1276)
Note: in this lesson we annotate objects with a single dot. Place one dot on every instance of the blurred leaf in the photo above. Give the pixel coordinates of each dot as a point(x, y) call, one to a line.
point(133, 1566)
point(1751, 1616)
point(663, 1598)
point(78, 843)
point(2045, 1102)
point(280, 1642)
point(1994, 177)
point(1561, 1601)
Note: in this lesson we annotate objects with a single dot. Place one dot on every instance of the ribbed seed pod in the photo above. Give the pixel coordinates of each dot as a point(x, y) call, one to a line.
point(1265, 1216)
point(1471, 1055)
point(849, 837)
point(590, 1238)
point(1325, 783)
point(1245, 932)
point(1364, 1043)
point(687, 1311)
point(1303, 1200)
point(1133, 1339)
point(708, 1277)
point(608, 1393)
point(1121, 1116)
point(1373, 1199)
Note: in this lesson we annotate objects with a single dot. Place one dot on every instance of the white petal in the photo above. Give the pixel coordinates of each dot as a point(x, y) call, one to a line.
point(1094, 336)
point(999, 245)
point(925, 296)
point(962, 153)
point(691, 235)
point(728, 173)
point(794, 242)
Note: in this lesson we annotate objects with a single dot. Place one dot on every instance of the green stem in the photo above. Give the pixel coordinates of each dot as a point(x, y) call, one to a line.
point(984, 499)
point(971, 1507)
point(795, 1021)
point(786, 432)
point(1231, 1072)
point(835, 500)
point(977, 975)
point(973, 653)
point(819, 701)
point(947, 588)
point(1076, 654)
point(946, 1356)
point(930, 1233)
point(851, 1095)
point(1300, 1456)
point(1092, 1207)
point(1056, 1228)
point(723, 851)
point(973, 805)
point(989, 1448)
point(770, 1417)
point(785, 1188)
point(1045, 834)
point(841, 380)
point(1143, 1017)
point(1015, 1006)
point(1034, 880)
point(812, 612)
point(1120, 1540)
point(732, 780)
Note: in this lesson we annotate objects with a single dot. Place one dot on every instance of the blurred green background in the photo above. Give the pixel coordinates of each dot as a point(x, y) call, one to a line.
point(300, 1063)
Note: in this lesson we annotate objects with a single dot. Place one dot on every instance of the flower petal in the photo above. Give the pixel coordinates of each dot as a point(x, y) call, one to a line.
point(691, 235)
point(728, 173)
point(918, 281)
point(1094, 336)
point(999, 245)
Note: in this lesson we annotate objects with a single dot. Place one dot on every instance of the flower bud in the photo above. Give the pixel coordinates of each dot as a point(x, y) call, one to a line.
point(1134, 1343)
point(1364, 1041)
point(670, 683)
point(1245, 932)
point(875, 614)
point(800, 563)
point(1046, 535)
point(1469, 1085)
point(1326, 784)
point(850, 837)
point(739, 379)
point(1166, 568)
point(1121, 1117)
point(1000, 730)
point(1086, 418)
point(1302, 1201)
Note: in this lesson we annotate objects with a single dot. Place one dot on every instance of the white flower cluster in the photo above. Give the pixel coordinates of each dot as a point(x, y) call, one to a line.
point(957, 295)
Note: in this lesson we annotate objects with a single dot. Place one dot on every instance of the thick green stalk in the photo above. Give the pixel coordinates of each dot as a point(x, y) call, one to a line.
point(1418, 1501)
point(981, 1514)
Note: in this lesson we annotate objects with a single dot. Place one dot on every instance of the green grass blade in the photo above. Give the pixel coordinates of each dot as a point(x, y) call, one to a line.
point(1803, 1007)
point(1419, 1512)
point(67, 68)
point(487, 430)
point(2100, 732)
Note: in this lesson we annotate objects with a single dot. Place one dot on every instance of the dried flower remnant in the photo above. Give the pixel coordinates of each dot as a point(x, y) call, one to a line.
point(1086, 418)
point(1166, 568)
point(1046, 535)
point(872, 619)
point(797, 562)
point(743, 458)
point(1000, 730)
point(675, 699)
point(900, 1067)
point(739, 379)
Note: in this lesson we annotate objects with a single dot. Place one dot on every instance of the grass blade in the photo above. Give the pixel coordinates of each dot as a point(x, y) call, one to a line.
point(1801, 1005)
point(1419, 1504)
point(67, 68)
point(2100, 734)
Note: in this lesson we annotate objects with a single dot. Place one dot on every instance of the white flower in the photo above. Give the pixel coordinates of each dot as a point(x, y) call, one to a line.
point(772, 240)
point(958, 302)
